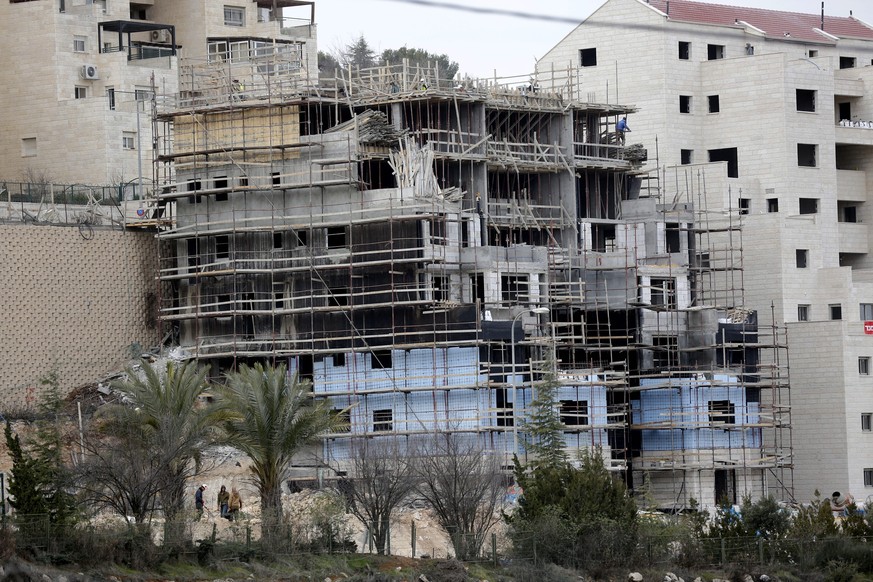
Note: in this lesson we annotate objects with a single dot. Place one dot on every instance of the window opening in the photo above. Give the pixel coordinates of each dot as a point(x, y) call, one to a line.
point(801, 258)
point(714, 52)
point(805, 100)
point(728, 155)
point(383, 420)
point(806, 155)
point(808, 206)
point(803, 313)
point(574, 412)
point(684, 50)
point(684, 103)
point(713, 103)
point(722, 411)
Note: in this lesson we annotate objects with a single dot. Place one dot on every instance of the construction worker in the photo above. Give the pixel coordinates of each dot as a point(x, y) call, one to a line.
point(621, 128)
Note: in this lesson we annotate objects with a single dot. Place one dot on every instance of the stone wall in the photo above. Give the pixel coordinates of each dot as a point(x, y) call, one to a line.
point(72, 304)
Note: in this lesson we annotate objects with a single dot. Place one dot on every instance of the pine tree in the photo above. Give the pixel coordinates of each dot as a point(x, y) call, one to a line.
point(39, 482)
point(545, 431)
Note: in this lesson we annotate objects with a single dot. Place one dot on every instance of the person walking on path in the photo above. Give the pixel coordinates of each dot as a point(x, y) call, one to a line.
point(198, 501)
point(223, 502)
point(235, 503)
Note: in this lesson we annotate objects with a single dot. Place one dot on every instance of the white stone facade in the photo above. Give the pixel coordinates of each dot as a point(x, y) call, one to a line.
point(62, 126)
point(805, 240)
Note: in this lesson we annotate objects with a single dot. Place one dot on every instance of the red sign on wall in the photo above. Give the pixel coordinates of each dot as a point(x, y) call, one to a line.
point(868, 327)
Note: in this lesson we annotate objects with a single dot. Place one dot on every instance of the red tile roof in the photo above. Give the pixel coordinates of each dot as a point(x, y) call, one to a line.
point(773, 22)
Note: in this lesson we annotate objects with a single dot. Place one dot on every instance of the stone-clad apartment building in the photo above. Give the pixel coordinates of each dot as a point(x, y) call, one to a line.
point(782, 102)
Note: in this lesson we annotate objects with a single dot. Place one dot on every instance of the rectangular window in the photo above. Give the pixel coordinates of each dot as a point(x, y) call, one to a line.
point(801, 258)
point(684, 50)
point(813, 54)
point(336, 237)
point(574, 412)
point(728, 155)
point(110, 97)
point(867, 422)
point(302, 238)
point(864, 366)
point(722, 411)
point(381, 360)
point(338, 360)
point(836, 311)
point(80, 92)
point(772, 205)
point(808, 206)
point(847, 62)
point(867, 312)
point(807, 153)
point(803, 312)
point(673, 237)
point(234, 16)
point(278, 240)
point(588, 57)
point(664, 292)
point(477, 287)
point(28, 147)
point(684, 103)
point(714, 52)
point(713, 103)
point(750, 49)
point(276, 178)
point(805, 100)
point(440, 288)
point(383, 420)
point(686, 157)
point(848, 214)
point(868, 477)
point(514, 289)
point(142, 93)
point(79, 43)
point(128, 140)
point(222, 247)
point(744, 204)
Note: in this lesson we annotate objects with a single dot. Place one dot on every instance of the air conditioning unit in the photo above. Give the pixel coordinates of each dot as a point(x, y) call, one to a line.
point(162, 36)
point(90, 72)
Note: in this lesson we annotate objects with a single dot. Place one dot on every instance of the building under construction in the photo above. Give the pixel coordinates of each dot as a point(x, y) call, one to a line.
point(425, 250)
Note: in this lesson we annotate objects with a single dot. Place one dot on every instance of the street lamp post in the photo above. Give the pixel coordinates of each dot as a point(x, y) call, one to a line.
point(534, 310)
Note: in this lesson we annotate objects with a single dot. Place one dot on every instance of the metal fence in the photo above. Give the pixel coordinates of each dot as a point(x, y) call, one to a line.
point(206, 542)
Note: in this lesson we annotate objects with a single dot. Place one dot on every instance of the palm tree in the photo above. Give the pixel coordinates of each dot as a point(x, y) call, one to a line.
point(165, 407)
point(268, 417)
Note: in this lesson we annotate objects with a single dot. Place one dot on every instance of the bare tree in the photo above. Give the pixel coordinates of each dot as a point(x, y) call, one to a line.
point(380, 480)
point(464, 485)
point(121, 471)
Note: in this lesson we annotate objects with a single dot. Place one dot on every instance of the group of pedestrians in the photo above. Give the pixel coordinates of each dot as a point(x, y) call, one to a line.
point(229, 504)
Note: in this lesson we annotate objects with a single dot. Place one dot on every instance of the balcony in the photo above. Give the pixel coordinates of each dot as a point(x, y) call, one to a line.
point(853, 237)
point(844, 135)
point(852, 185)
point(848, 87)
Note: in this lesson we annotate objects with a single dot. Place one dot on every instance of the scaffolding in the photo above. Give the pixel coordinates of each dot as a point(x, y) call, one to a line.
point(397, 237)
